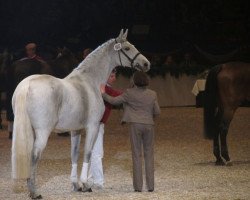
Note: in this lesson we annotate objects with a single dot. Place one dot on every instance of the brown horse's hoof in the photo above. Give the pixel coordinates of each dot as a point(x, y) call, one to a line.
point(36, 197)
point(229, 163)
point(219, 163)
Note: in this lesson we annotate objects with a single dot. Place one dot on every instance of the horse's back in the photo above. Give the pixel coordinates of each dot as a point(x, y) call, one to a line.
point(40, 87)
point(234, 81)
point(43, 98)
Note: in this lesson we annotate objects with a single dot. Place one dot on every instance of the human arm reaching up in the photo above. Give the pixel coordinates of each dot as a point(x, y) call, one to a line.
point(113, 100)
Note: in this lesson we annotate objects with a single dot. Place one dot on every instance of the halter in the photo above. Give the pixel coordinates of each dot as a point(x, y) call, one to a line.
point(121, 51)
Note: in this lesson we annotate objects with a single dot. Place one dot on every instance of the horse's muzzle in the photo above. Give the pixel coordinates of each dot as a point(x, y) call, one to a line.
point(145, 67)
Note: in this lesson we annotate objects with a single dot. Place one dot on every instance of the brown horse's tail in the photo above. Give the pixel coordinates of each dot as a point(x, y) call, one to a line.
point(210, 103)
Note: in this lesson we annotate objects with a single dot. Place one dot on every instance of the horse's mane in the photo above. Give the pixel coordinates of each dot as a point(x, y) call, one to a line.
point(86, 63)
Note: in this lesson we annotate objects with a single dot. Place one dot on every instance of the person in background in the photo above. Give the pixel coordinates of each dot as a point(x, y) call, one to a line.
point(140, 108)
point(30, 50)
point(188, 65)
point(156, 60)
point(95, 173)
point(171, 66)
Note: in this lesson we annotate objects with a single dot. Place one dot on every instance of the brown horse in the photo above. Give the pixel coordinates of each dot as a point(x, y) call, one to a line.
point(227, 87)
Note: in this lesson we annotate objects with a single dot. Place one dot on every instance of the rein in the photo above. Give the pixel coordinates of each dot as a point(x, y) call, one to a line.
point(126, 55)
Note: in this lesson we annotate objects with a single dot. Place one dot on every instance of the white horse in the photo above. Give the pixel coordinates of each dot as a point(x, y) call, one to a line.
point(43, 104)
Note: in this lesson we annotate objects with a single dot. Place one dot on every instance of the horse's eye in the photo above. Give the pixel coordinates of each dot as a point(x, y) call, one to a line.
point(127, 48)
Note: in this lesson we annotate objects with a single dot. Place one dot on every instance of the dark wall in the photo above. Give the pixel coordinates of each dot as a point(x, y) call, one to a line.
point(215, 24)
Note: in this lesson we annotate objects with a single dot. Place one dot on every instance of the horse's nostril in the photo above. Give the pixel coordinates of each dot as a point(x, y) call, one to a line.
point(145, 64)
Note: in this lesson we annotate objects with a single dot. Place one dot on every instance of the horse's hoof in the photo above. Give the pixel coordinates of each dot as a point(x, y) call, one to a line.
point(36, 196)
point(219, 163)
point(87, 190)
point(229, 163)
point(76, 187)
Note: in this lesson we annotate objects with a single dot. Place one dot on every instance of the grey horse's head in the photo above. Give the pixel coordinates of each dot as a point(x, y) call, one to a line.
point(128, 55)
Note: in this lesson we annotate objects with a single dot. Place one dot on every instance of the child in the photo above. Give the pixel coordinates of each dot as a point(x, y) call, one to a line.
point(96, 169)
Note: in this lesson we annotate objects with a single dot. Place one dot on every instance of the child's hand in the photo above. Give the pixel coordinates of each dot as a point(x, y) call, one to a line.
point(102, 88)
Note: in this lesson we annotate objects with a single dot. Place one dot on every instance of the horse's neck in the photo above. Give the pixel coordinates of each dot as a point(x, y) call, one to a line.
point(98, 65)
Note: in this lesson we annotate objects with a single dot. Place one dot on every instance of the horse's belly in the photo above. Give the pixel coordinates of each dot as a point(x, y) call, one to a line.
point(68, 127)
point(71, 120)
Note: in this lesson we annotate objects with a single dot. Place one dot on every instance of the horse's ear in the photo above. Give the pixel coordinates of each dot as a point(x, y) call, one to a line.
point(121, 34)
point(124, 37)
point(120, 37)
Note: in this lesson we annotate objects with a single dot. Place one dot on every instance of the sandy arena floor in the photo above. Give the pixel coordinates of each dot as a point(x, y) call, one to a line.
point(184, 167)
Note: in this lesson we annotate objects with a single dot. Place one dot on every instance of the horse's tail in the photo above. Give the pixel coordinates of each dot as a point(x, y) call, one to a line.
point(211, 103)
point(23, 136)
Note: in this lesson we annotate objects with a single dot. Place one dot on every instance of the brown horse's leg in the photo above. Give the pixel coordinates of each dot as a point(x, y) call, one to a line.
point(224, 126)
point(1, 127)
point(216, 141)
point(223, 139)
point(217, 151)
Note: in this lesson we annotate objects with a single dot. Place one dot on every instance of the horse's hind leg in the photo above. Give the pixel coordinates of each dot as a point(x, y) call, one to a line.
point(224, 149)
point(39, 146)
point(75, 148)
point(227, 117)
point(217, 151)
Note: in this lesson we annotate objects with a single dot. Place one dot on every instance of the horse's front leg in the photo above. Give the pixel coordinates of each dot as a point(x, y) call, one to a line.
point(91, 135)
point(216, 140)
point(75, 148)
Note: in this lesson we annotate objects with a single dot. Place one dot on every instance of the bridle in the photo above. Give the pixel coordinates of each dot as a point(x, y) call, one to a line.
point(126, 55)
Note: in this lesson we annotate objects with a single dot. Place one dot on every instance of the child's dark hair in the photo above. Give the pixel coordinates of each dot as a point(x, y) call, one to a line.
point(140, 79)
point(114, 71)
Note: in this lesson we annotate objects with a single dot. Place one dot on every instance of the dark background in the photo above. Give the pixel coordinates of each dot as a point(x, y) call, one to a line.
point(218, 26)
